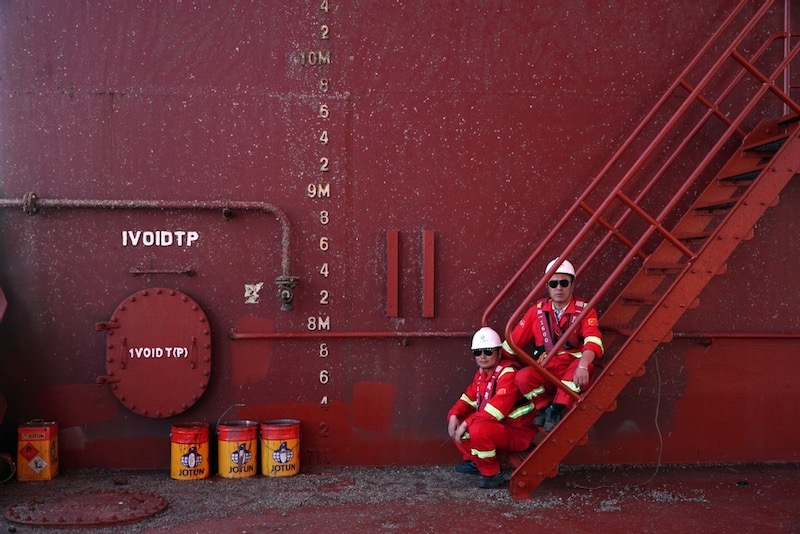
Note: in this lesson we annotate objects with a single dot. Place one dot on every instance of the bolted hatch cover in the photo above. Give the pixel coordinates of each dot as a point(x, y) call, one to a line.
point(86, 509)
point(158, 352)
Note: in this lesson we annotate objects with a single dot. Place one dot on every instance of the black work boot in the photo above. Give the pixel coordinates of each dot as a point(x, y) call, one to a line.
point(467, 467)
point(538, 420)
point(491, 482)
point(552, 415)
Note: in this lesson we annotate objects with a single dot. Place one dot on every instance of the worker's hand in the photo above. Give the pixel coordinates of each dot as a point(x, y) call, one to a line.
point(581, 377)
point(452, 426)
point(460, 431)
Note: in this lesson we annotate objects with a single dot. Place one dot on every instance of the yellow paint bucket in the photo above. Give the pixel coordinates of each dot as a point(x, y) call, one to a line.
point(189, 451)
point(37, 450)
point(280, 447)
point(237, 449)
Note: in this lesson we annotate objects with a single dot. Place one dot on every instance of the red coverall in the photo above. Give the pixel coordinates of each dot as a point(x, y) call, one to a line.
point(498, 417)
point(539, 324)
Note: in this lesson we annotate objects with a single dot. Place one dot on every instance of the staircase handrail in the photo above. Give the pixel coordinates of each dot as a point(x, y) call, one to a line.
point(617, 155)
point(654, 223)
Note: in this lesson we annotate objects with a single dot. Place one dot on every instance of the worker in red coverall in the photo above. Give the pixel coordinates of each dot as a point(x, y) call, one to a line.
point(573, 365)
point(491, 414)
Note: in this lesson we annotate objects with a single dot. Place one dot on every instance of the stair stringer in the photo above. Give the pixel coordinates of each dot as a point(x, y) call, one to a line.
point(657, 325)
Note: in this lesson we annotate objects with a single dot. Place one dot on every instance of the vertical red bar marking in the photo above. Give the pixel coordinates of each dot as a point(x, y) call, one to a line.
point(392, 273)
point(428, 257)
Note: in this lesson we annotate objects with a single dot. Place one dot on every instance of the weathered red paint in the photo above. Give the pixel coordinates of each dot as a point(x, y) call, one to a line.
point(479, 123)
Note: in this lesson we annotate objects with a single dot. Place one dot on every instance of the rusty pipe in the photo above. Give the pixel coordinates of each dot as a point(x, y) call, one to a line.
point(343, 335)
point(31, 204)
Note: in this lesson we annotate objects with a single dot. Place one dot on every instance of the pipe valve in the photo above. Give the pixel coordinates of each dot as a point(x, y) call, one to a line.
point(286, 285)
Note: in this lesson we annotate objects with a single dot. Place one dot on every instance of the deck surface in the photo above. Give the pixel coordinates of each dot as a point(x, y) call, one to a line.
point(436, 499)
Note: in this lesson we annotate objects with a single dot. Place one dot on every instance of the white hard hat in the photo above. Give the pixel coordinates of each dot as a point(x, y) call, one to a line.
point(486, 338)
point(565, 268)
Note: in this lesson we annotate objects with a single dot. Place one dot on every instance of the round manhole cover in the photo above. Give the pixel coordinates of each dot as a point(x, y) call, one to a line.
point(87, 509)
point(158, 355)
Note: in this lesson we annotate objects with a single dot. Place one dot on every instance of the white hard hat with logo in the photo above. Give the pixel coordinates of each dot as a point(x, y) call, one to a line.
point(486, 338)
point(565, 268)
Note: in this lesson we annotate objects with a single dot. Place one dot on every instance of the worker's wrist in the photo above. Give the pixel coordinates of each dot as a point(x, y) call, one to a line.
point(582, 367)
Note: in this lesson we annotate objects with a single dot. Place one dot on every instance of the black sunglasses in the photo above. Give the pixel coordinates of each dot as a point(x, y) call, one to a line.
point(485, 352)
point(555, 283)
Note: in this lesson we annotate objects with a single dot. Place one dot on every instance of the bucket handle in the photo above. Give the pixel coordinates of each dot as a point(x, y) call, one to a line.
point(237, 405)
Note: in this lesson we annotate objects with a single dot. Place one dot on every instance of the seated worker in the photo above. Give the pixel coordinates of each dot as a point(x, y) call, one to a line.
point(544, 323)
point(491, 414)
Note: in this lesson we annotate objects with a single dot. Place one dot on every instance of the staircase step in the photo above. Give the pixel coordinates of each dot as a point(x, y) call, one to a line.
point(769, 135)
point(693, 237)
point(740, 179)
point(787, 121)
point(663, 268)
point(716, 207)
point(767, 147)
point(639, 299)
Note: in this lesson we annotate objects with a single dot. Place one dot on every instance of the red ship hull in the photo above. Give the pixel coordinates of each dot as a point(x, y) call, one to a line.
point(401, 161)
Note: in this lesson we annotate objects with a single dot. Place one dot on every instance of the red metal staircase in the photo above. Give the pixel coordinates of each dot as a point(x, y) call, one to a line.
point(683, 191)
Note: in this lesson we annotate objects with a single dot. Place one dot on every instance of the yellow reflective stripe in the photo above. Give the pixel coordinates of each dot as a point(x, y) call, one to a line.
point(522, 410)
point(469, 401)
point(576, 354)
point(535, 393)
point(572, 385)
point(494, 412)
point(508, 348)
point(483, 454)
point(594, 339)
point(507, 370)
